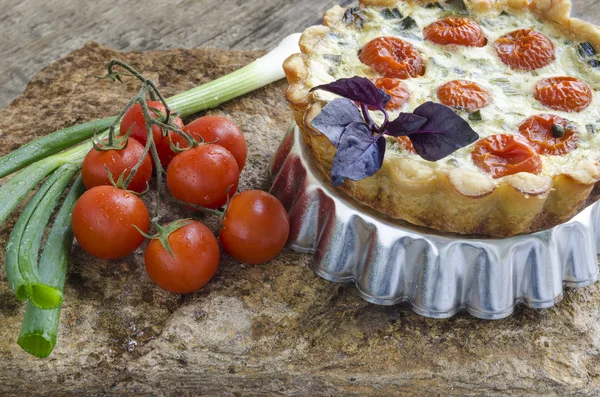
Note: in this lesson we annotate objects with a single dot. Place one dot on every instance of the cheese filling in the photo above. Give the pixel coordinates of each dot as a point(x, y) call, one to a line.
point(336, 56)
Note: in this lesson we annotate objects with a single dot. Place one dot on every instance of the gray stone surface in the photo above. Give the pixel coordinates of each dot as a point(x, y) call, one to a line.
point(269, 330)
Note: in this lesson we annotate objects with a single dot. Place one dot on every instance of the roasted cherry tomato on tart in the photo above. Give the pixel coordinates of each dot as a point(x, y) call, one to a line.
point(550, 134)
point(203, 175)
point(104, 220)
point(255, 228)
point(525, 49)
point(393, 57)
point(457, 31)
point(405, 143)
point(134, 120)
point(502, 155)
point(567, 94)
point(220, 131)
point(463, 94)
point(192, 261)
point(394, 88)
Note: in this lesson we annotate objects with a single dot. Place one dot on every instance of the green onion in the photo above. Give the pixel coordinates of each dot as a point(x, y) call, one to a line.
point(50, 144)
point(40, 327)
point(253, 76)
point(42, 295)
point(13, 192)
point(14, 242)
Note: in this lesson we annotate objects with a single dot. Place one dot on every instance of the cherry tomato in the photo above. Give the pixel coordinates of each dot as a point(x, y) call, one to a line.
point(394, 88)
point(218, 130)
point(458, 31)
point(93, 170)
point(134, 119)
point(194, 261)
point(525, 49)
point(502, 155)
point(103, 220)
point(538, 131)
point(405, 142)
point(568, 94)
point(255, 228)
point(392, 57)
point(463, 94)
point(202, 175)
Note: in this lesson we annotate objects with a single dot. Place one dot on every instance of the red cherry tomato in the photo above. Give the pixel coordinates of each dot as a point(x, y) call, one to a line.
point(202, 175)
point(134, 119)
point(220, 131)
point(194, 261)
point(93, 170)
point(458, 31)
point(255, 228)
point(103, 220)
point(538, 131)
point(567, 94)
point(464, 94)
point(503, 155)
point(525, 49)
point(392, 57)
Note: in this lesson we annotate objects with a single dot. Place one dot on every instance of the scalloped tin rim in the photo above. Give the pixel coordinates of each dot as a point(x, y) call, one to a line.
point(438, 274)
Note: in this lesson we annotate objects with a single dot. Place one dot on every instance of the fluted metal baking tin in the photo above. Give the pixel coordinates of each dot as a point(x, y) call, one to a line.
point(439, 274)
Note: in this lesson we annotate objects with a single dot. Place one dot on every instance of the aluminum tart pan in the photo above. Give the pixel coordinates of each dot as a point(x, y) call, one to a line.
point(438, 274)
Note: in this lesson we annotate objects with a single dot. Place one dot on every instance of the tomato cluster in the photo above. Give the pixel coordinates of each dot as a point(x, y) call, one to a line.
point(522, 50)
point(203, 162)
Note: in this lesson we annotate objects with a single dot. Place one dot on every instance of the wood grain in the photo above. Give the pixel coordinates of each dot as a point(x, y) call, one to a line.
point(37, 32)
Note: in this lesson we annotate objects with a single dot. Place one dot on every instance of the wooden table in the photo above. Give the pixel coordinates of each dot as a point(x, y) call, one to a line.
point(34, 33)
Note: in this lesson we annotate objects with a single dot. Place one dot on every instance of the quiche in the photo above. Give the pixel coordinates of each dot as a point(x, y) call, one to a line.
point(524, 75)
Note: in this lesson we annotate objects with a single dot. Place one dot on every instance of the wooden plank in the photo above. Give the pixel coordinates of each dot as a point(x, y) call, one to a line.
point(37, 32)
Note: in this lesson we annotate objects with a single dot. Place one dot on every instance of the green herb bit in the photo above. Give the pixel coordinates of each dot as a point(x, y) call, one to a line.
point(354, 16)
point(558, 131)
point(391, 13)
point(505, 14)
point(475, 116)
point(591, 129)
point(434, 5)
point(40, 294)
point(586, 49)
point(40, 327)
point(335, 59)
point(407, 23)
point(506, 85)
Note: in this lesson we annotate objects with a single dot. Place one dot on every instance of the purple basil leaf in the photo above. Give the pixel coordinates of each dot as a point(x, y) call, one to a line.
point(359, 154)
point(442, 134)
point(405, 124)
point(358, 89)
point(335, 117)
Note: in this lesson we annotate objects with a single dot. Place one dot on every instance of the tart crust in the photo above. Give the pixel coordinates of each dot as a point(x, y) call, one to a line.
point(459, 200)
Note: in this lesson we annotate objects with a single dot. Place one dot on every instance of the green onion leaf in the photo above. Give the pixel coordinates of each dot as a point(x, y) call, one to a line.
point(40, 327)
point(40, 294)
point(50, 144)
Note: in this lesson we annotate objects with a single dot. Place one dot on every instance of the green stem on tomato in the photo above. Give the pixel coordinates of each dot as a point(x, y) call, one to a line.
point(40, 294)
point(40, 327)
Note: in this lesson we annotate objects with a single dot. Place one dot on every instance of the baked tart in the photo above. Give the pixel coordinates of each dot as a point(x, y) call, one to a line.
point(522, 78)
